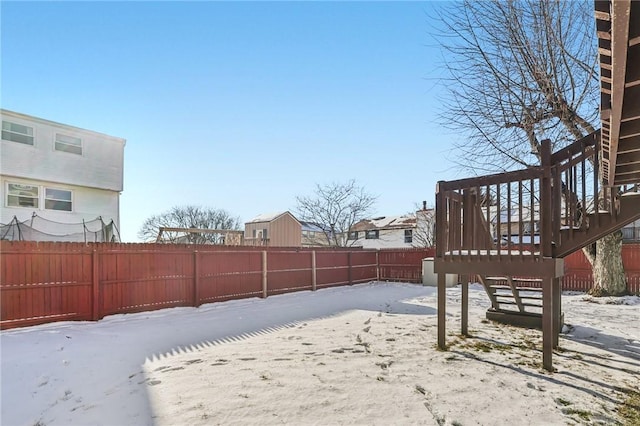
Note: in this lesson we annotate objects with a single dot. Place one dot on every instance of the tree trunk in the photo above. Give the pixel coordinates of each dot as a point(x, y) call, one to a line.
point(606, 262)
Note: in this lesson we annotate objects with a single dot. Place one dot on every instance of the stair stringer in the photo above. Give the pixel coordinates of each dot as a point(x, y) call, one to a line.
point(628, 212)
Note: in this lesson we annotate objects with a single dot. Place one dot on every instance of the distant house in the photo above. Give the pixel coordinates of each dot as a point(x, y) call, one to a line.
point(314, 235)
point(384, 232)
point(631, 232)
point(280, 229)
point(55, 175)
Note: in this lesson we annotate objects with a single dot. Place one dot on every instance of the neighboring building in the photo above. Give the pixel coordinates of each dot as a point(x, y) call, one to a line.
point(384, 232)
point(274, 229)
point(313, 235)
point(58, 173)
point(631, 232)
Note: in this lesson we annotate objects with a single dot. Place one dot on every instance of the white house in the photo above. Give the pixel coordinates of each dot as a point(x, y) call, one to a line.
point(384, 232)
point(58, 173)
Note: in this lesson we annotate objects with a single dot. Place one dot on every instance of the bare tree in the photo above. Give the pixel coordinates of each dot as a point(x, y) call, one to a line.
point(424, 234)
point(335, 208)
point(190, 217)
point(520, 72)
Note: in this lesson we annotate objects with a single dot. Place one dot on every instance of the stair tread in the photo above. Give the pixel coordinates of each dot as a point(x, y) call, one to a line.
point(532, 280)
point(531, 297)
point(531, 305)
point(506, 287)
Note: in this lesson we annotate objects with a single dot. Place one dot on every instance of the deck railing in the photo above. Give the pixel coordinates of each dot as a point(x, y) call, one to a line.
point(526, 213)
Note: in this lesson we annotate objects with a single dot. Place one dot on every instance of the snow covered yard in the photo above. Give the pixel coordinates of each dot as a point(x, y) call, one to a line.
point(358, 355)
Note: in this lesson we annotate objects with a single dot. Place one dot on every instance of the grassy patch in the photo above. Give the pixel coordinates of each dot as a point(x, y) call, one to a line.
point(629, 410)
point(483, 346)
point(562, 401)
point(583, 414)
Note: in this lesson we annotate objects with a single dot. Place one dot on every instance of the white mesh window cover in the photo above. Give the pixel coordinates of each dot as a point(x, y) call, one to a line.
point(40, 229)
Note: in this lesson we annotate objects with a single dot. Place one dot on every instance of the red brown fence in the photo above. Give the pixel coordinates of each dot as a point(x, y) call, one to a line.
point(578, 276)
point(45, 282)
point(403, 264)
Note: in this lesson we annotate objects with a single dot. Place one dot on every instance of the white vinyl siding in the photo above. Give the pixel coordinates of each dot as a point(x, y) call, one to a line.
point(68, 144)
point(59, 153)
point(15, 132)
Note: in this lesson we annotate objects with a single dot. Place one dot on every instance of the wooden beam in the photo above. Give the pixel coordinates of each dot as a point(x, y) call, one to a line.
point(442, 305)
point(547, 324)
point(619, 44)
point(557, 311)
point(464, 320)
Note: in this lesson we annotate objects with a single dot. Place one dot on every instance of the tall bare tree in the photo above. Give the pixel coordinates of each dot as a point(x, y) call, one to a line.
point(335, 208)
point(519, 72)
point(190, 217)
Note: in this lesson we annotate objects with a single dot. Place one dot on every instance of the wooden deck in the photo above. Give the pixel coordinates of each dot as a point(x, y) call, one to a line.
point(523, 223)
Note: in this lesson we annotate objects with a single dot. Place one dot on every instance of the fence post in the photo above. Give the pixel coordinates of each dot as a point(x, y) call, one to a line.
point(264, 274)
point(378, 265)
point(196, 279)
point(314, 277)
point(95, 286)
point(350, 274)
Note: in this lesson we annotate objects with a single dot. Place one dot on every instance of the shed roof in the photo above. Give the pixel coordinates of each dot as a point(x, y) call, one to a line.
point(270, 217)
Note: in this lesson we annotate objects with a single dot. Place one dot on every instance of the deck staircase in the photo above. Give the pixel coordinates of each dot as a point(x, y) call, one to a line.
point(507, 226)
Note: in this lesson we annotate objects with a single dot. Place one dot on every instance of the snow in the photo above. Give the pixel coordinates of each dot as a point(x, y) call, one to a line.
point(364, 354)
point(266, 217)
point(384, 222)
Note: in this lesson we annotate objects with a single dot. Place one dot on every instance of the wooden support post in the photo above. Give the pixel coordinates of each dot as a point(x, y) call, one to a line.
point(350, 274)
point(95, 285)
point(557, 311)
point(442, 303)
point(196, 279)
point(378, 265)
point(546, 214)
point(547, 323)
point(314, 275)
point(264, 274)
point(464, 329)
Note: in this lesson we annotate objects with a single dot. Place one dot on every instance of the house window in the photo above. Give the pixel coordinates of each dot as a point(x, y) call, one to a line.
point(408, 236)
point(264, 234)
point(57, 199)
point(19, 195)
point(353, 235)
point(31, 196)
point(373, 234)
point(17, 133)
point(68, 144)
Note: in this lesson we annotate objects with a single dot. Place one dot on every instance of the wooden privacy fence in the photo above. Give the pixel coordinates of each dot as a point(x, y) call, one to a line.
point(403, 264)
point(46, 282)
point(578, 276)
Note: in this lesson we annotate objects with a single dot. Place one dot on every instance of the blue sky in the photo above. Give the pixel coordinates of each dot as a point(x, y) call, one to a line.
point(238, 105)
